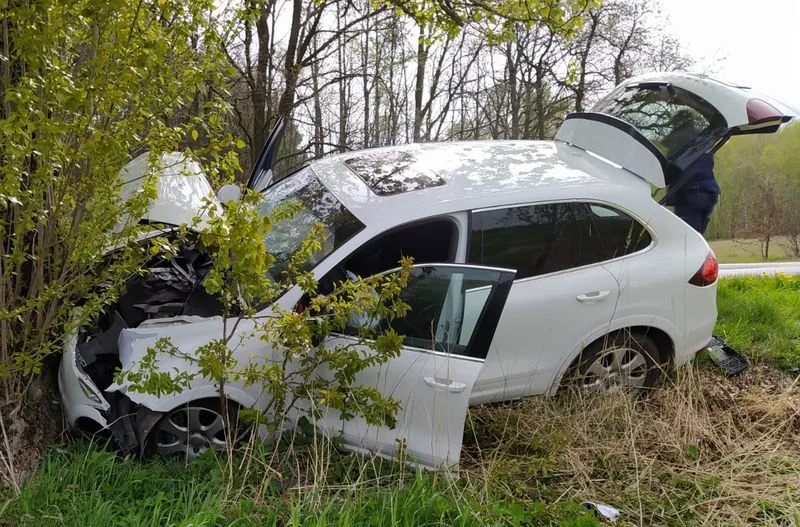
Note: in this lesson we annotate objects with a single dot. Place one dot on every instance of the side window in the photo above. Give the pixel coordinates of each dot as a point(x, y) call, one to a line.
point(611, 233)
point(427, 241)
point(448, 306)
point(551, 237)
point(534, 239)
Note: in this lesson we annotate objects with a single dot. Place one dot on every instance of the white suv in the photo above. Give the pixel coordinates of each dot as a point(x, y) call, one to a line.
point(536, 263)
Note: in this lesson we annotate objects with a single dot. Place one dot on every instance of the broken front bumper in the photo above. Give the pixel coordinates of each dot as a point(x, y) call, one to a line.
point(84, 405)
point(89, 411)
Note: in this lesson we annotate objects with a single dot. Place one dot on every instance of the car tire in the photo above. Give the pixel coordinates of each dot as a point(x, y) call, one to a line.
point(621, 360)
point(192, 429)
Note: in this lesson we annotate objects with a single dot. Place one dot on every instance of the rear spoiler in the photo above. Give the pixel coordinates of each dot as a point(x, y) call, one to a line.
point(615, 141)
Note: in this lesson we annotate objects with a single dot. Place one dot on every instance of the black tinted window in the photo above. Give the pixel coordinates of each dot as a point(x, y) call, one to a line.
point(389, 173)
point(541, 239)
point(610, 233)
point(676, 121)
point(534, 240)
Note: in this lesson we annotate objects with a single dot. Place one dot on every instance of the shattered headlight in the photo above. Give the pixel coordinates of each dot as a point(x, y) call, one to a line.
point(89, 392)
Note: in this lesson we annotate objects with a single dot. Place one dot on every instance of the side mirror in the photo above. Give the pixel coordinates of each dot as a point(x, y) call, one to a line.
point(229, 193)
point(317, 335)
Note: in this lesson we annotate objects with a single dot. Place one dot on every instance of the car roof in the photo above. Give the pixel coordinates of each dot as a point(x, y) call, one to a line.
point(415, 181)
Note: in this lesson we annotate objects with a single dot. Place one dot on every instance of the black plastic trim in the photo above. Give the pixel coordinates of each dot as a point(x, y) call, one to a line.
point(481, 340)
point(266, 158)
point(623, 126)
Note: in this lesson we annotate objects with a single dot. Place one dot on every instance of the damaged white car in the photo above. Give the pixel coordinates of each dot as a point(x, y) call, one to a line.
point(550, 258)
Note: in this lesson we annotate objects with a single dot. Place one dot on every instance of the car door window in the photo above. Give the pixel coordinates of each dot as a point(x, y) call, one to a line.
point(533, 239)
point(447, 305)
point(610, 233)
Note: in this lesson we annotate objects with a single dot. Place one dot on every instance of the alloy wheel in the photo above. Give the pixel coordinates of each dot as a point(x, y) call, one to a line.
point(190, 431)
point(616, 368)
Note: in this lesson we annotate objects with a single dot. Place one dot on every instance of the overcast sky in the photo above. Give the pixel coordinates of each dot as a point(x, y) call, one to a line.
point(758, 39)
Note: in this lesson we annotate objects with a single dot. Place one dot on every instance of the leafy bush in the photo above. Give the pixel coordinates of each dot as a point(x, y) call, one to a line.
point(86, 85)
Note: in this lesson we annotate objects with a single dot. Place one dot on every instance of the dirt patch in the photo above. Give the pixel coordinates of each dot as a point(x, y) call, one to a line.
point(31, 426)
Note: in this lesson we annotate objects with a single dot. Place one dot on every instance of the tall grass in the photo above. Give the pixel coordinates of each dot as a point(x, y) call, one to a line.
point(83, 485)
point(703, 451)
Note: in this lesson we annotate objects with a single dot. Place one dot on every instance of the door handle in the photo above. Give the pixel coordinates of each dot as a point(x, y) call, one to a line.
point(445, 384)
point(594, 296)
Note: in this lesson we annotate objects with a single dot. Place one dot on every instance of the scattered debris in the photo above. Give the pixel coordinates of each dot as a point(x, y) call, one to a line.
point(601, 510)
point(169, 287)
point(727, 358)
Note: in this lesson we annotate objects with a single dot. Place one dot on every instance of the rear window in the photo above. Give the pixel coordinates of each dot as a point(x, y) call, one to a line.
point(533, 240)
point(676, 121)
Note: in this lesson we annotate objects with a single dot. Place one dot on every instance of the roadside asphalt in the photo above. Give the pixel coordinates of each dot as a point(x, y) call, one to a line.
point(759, 268)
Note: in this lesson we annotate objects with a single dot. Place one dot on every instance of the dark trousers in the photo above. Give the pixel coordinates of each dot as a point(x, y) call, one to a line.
point(695, 207)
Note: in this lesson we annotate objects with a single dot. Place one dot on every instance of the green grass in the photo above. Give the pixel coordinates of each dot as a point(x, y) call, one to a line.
point(761, 316)
point(82, 485)
point(703, 450)
point(749, 251)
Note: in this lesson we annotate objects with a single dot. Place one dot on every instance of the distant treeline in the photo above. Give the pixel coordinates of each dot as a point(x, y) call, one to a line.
point(760, 180)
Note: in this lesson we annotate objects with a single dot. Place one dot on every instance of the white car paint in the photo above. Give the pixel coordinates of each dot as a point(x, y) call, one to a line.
point(612, 143)
point(546, 320)
point(182, 189)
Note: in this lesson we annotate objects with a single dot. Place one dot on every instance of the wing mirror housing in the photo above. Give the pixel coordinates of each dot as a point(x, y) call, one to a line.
point(317, 331)
point(229, 194)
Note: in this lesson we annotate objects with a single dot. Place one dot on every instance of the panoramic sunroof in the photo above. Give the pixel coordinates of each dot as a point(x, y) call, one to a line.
point(390, 173)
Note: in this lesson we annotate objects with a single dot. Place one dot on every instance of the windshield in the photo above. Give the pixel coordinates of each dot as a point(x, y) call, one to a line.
point(316, 204)
point(680, 124)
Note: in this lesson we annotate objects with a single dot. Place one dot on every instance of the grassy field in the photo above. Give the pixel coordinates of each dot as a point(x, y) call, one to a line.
point(749, 251)
point(702, 450)
point(761, 315)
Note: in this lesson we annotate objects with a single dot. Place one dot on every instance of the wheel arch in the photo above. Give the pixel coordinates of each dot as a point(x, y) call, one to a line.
point(663, 341)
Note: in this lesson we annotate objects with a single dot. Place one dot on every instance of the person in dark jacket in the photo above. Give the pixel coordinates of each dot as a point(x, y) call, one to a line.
point(696, 193)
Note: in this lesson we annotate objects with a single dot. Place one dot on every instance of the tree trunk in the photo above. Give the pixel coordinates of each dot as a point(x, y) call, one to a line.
point(365, 81)
point(419, 88)
point(318, 131)
point(580, 87)
point(539, 104)
point(376, 140)
point(344, 107)
point(291, 67)
point(511, 71)
point(259, 93)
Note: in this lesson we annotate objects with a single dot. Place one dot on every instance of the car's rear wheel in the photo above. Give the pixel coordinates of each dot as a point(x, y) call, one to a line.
point(622, 360)
point(192, 429)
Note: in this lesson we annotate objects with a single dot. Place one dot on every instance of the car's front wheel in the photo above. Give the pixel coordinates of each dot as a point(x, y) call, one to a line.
point(621, 360)
point(192, 429)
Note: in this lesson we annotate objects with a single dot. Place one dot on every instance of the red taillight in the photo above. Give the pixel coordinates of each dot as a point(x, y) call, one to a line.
point(708, 273)
point(759, 111)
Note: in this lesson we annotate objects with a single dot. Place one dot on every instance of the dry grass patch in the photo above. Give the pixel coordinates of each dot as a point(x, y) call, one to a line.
point(704, 450)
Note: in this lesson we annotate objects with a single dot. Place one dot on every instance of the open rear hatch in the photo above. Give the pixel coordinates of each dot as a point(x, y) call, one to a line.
point(659, 126)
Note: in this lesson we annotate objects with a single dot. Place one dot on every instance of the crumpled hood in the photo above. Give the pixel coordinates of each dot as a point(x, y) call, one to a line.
point(181, 186)
point(187, 333)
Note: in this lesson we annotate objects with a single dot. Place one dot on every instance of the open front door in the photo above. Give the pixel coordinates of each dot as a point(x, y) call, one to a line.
point(661, 125)
point(261, 176)
point(454, 313)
